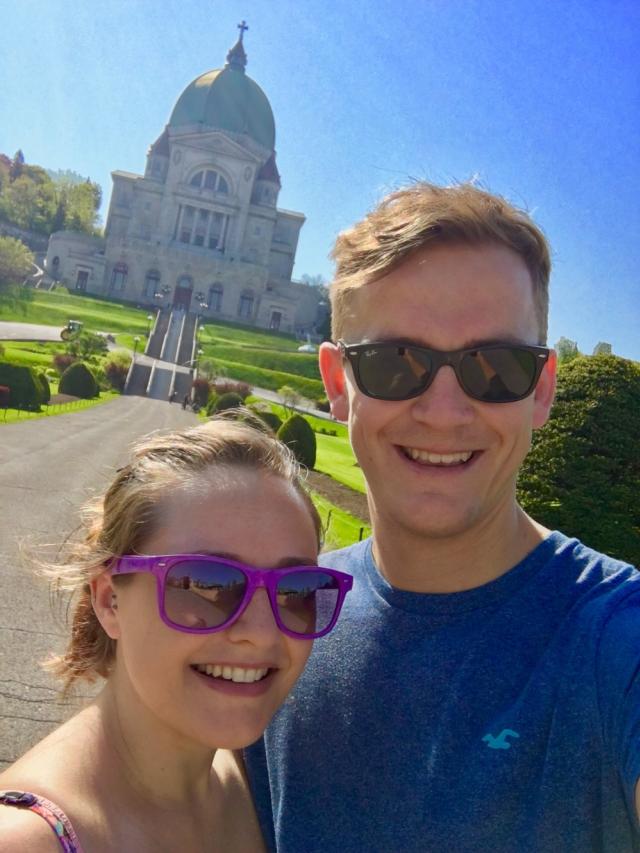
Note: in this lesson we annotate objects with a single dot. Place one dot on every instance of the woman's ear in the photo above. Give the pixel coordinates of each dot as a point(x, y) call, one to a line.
point(333, 376)
point(104, 600)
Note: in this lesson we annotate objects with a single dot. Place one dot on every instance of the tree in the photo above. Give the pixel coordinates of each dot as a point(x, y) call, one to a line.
point(16, 262)
point(289, 398)
point(583, 472)
point(567, 350)
point(17, 164)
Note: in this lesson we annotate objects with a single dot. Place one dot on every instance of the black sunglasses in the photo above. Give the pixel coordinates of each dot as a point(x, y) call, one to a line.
point(492, 373)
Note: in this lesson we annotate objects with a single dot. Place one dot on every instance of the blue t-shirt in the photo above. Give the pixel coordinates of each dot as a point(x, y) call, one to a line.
point(501, 719)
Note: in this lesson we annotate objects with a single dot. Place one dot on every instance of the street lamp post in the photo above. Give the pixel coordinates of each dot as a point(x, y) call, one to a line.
point(149, 322)
point(136, 341)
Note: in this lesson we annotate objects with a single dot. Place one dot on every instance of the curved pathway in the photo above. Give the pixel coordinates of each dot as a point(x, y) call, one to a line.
point(48, 468)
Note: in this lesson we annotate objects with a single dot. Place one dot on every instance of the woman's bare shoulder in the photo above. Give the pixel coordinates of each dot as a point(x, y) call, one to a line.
point(21, 829)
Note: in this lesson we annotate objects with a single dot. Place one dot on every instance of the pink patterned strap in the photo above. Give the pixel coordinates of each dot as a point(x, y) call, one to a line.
point(54, 816)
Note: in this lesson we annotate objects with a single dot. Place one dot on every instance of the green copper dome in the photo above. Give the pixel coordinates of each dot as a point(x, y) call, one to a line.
point(229, 100)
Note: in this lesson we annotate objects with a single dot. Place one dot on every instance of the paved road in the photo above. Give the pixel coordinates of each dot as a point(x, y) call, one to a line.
point(28, 332)
point(48, 468)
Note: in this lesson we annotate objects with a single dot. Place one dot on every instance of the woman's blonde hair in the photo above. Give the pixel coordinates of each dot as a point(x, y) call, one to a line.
point(120, 521)
point(423, 215)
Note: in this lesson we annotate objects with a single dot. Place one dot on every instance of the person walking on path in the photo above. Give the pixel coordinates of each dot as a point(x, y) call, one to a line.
point(482, 691)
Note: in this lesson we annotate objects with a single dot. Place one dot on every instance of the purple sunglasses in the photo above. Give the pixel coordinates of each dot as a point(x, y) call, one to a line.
point(201, 594)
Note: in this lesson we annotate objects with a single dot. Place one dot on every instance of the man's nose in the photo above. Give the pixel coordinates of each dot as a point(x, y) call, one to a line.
point(444, 403)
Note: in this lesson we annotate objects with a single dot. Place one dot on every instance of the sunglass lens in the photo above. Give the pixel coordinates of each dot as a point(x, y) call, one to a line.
point(498, 374)
point(307, 601)
point(201, 594)
point(392, 372)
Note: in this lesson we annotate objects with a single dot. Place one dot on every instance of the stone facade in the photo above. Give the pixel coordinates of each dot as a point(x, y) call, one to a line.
point(201, 228)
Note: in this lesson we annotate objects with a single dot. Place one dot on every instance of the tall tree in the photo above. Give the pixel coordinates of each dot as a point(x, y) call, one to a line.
point(16, 262)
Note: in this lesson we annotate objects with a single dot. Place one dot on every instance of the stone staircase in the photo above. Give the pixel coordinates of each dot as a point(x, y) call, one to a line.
point(167, 364)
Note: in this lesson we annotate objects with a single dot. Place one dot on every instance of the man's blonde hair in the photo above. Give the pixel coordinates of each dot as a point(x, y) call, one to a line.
point(119, 522)
point(424, 215)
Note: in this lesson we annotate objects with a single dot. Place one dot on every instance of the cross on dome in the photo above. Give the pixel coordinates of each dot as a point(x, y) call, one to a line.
point(242, 26)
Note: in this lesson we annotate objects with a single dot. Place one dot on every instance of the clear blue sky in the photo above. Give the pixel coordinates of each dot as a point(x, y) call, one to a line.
point(540, 100)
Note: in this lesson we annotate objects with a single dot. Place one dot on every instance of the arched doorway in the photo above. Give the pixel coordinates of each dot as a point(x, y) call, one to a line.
point(182, 293)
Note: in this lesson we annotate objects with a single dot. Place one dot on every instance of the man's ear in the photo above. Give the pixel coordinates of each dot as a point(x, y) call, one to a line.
point(104, 600)
point(335, 383)
point(545, 391)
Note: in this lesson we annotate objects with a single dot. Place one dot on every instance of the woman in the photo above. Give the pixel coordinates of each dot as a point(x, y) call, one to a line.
point(198, 648)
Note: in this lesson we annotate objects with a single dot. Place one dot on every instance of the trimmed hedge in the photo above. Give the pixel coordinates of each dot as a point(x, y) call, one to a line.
point(298, 363)
point(79, 381)
point(25, 389)
point(230, 400)
point(46, 390)
point(297, 434)
point(582, 475)
point(270, 418)
point(273, 379)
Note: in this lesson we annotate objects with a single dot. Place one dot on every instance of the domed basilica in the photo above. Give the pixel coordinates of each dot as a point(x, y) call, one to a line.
point(201, 228)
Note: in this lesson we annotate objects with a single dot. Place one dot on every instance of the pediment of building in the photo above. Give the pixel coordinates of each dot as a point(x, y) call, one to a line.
point(219, 143)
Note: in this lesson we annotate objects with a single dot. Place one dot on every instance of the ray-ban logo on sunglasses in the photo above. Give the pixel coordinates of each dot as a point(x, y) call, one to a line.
point(491, 373)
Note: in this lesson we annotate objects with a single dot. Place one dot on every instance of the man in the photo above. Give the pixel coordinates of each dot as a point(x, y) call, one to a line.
point(482, 692)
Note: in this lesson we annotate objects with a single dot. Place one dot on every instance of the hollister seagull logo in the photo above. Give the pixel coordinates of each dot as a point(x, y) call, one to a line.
point(501, 741)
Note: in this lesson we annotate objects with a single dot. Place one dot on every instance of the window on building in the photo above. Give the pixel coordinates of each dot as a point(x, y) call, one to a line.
point(214, 299)
point(210, 180)
point(81, 280)
point(216, 231)
point(245, 308)
point(119, 277)
point(151, 284)
point(186, 226)
point(202, 224)
point(274, 322)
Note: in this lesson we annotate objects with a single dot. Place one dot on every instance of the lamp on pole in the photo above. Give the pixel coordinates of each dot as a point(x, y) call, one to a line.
point(136, 341)
point(149, 322)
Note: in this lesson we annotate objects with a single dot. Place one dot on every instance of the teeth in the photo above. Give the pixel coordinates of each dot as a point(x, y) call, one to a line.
point(238, 674)
point(438, 458)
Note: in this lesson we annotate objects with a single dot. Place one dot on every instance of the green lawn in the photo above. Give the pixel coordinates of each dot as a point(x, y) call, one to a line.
point(224, 333)
point(335, 457)
point(343, 529)
point(31, 353)
point(55, 308)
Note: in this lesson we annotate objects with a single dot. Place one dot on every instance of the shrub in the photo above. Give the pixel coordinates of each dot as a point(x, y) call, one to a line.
point(63, 360)
point(25, 389)
point(224, 386)
point(200, 391)
point(323, 404)
point(273, 379)
point(78, 381)
point(211, 402)
point(116, 374)
point(270, 418)
point(230, 400)
point(297, 434)
point(46, 390)
point(87, 344)
point(582, 474)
